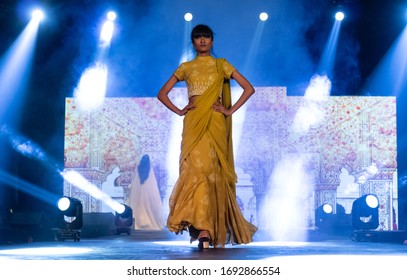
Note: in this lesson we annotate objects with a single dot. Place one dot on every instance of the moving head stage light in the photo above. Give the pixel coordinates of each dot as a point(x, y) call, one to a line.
point(70, 220)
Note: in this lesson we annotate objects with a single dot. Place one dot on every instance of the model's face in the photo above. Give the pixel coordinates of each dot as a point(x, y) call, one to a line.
point(203, 44)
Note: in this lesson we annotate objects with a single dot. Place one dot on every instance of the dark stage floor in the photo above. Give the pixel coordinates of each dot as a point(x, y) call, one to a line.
point(379, 256)
point(162, 245)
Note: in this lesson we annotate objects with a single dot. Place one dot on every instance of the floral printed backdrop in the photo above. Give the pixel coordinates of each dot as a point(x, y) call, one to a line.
point(340, 148)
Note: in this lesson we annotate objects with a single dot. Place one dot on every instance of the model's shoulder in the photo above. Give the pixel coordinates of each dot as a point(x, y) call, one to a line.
point(187, 63)
point(223, 60)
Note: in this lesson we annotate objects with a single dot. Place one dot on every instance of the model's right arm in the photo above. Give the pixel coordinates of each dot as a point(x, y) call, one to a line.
point(163, 97)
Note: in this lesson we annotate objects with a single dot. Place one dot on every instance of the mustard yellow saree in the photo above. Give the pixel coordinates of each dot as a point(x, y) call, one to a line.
point(204, 197)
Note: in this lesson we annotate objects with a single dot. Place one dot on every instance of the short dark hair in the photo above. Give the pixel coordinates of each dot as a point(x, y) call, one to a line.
point(201, 30)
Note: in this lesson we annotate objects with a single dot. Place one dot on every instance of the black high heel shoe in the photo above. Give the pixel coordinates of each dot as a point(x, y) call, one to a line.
point(204, 239)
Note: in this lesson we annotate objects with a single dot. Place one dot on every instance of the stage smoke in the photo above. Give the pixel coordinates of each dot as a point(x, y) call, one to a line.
point(91, 90)
point(290, 187)
point(311, 113)
point(23, 145)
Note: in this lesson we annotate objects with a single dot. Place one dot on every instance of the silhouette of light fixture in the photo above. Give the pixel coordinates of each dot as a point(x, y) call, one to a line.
point(365, 212)
point(72, 211)
point(324, 216)
point(124, 219)
point(70, 218)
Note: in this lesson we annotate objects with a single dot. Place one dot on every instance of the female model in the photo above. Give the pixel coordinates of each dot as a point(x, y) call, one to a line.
point(203, 200)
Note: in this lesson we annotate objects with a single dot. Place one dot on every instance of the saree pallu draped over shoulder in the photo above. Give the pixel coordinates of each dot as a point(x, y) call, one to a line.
point(204, 197)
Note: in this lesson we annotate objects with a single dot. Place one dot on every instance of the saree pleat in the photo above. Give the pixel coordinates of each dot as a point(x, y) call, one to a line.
point(204, 197)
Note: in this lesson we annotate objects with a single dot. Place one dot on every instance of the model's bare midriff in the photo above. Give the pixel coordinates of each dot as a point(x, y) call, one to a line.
point(194, 97)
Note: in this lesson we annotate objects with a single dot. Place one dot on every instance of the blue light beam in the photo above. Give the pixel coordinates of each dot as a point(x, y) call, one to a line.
point(15, 68)
point(28, 148)
point(389, 78)
point(28, 188)
point(329, 54)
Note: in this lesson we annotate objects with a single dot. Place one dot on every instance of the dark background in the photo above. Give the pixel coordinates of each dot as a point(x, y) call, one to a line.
point(146, 48)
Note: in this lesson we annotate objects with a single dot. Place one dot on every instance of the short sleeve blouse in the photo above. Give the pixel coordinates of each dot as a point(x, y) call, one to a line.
point(200, 73)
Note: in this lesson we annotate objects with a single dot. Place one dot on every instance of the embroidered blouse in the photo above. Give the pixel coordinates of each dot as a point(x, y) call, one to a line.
point(200, 73)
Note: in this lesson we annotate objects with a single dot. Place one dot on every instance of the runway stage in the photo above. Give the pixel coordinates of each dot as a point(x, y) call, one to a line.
point(152, 245)
point(162, 245)
point(322, 254)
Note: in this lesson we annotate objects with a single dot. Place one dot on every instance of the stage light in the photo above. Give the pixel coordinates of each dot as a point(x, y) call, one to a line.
point(71, 218)
point(71, 209)
point(123, 219)
point(324, 216)
point(263, 16)
point(63, 203)
point(37, 15)
point(339, 16)
point(365, 212)
point(79, 181)
point(188, 16)
point(111, 16)
point(327, 208)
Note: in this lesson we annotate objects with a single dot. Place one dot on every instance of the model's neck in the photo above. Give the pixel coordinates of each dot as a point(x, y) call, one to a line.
point(204, 54)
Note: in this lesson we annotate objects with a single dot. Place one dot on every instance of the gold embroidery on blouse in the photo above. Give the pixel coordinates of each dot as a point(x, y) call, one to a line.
point(200, 73)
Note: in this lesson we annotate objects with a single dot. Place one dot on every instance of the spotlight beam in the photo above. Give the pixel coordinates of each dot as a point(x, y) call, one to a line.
point(28, 188)
point(81, 182)
point(389, 77)
point(187, 53)
point(254, 47)
point(329, 54)
point(29, 149)
point(91, 89)
point(15, 67)
point(106, 33)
